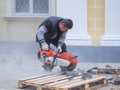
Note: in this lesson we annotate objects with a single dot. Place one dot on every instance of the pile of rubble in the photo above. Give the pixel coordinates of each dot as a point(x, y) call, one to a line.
point(113, 74)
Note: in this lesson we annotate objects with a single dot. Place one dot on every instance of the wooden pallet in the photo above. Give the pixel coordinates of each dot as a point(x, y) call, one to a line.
point(62, 82)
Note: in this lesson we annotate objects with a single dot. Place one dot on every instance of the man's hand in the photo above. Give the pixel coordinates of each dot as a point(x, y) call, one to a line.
point(60, 49)
point(44, 46)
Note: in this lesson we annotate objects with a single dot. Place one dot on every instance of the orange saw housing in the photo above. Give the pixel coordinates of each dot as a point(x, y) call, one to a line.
point(66, 55)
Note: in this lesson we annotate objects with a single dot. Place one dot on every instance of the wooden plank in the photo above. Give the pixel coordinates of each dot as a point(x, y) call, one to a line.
point(63, 82)
point(67, 82)
point(22, 82)
point(47, 80)
point(83, 82)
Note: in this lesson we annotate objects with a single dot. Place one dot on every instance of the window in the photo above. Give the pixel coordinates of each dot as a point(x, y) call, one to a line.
point(31, 7)
point(21, 6)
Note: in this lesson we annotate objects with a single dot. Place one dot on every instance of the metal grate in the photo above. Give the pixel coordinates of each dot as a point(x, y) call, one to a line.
point(40, 6)
point(22, 5)
point(37, 6)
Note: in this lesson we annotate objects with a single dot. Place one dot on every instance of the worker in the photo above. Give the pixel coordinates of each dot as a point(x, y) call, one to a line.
point(53, 31)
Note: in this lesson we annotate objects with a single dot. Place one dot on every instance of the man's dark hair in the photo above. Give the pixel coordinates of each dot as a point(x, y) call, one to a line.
point(68, 23)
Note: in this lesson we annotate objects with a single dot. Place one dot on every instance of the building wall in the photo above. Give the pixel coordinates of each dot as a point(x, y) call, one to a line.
point(75, 10)
point(19, 30)
point(111, 36)
point(23, 29)
point(3, 23)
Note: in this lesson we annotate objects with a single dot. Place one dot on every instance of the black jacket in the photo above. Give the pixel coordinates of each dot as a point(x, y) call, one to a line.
point(51, 30)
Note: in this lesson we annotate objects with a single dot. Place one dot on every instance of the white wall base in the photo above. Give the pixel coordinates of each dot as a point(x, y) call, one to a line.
point(79, 40)
point(110, 40)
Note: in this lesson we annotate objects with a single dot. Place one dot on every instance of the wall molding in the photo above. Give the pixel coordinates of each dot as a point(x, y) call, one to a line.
point(110, 40)
point(78, 40)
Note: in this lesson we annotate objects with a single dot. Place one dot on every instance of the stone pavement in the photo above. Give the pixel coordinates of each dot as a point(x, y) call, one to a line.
point(15, 67)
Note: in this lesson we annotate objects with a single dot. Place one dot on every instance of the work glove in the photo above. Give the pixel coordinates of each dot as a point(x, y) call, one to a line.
point(60, 46)
point(60, 49)
point(44, 46)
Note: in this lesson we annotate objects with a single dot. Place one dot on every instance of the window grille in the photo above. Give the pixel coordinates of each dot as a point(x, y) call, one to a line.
point(33, 7)
point(22, 6)
point(40, 6)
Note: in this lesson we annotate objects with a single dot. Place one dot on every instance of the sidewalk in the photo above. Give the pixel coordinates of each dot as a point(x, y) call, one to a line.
point(13, 68)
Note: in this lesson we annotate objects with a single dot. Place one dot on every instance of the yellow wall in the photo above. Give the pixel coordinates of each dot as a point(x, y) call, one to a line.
point(22, 30)
point(3, 24)
point(16, 29)
point(96, 19)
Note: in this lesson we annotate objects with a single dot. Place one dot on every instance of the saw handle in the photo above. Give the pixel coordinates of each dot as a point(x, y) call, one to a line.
point(55, 56)
point(49, 52)
point(73, 57)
